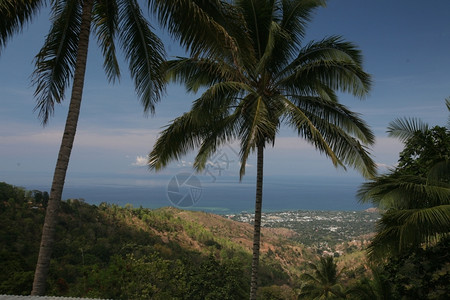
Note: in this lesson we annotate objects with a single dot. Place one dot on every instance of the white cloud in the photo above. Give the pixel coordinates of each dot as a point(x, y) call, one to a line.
point(383, 168)
point(141, 161)
point(110, 139)
point(184, 163)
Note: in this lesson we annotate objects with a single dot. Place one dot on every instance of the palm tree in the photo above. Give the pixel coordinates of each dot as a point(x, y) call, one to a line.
point(14, 15)
point(204, 35)
point(324, 282)
point(416, 194)
point(267, 79)
point(64, 56)
point(376, 288)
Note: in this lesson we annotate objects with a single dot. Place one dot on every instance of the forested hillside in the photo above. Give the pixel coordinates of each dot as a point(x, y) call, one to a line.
point(136, 253)
point(115, 252)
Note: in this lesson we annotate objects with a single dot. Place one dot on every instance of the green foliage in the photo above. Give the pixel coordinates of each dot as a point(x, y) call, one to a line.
point(376, 287)
point(14, 15)
point(215, 280)
point(265, 78)
point(272, 78)
point(422, 273)
point(413, 233)
point(423, 150)
point(416, 194)
point(323, 283)
point(113, 252)
point(123, 23)
point(276, 292)
point(20, 227)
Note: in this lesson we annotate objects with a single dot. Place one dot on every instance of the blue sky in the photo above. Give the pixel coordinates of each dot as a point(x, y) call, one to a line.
point(406, 48)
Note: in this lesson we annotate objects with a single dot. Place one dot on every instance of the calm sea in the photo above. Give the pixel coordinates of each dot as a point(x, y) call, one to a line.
point(223, 195)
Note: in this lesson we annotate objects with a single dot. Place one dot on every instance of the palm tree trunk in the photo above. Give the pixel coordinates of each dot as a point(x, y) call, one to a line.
point(48, 231)
point(257, 223)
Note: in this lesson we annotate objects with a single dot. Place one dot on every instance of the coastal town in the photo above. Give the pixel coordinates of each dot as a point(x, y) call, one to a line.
point(323, 229)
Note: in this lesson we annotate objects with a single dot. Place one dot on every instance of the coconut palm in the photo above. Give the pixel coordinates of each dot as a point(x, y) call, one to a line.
point(14, 15)
point(324, 282)
point(198, 25)
point(63, 57)
point(416, 194)
point(269, 79)
point(378, 287)
point(176, 15)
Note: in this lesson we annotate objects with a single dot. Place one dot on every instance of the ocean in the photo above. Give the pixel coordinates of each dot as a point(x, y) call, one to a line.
point(224, 195)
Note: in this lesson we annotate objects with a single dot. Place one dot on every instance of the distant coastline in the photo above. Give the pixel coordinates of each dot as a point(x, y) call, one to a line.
point(225, 195)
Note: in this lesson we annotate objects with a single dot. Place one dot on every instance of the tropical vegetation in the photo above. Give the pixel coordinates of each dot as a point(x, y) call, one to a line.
point(323, 283)
point(151, 254)
point(267, 78)
point(376, 287)
point(416, 194)
point(256, 74)
point(413, 235)
point(115, 252)
point(64, 55)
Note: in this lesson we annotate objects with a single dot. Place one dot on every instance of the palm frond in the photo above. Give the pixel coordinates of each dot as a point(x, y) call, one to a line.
point(195, 73)
point(330, 111)
point(220, 98)
point(447, 103)
point(180, 137)
point(329, 127)
point(55, 61)
point(295, 17)
point(408, 191)
point(405, 128)
point(258, 16)
point(376, 288)
point(199, 25)
point(342, 76)
point(300, 122)
point(275, 33)
point(399, 230)
point(255, 128)
point(323, 282)
point(14, 14)
point(144, 52)
point(206, 126)
point(105, 20)
point(351, 152)
point(221, 132)
point(331, 62)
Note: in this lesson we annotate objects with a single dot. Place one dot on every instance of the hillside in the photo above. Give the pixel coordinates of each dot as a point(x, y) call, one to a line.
point(113, 252)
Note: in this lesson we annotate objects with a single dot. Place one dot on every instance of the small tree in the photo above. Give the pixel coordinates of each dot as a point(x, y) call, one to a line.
point(416, 194)
point(378, 287)
point(324, 282)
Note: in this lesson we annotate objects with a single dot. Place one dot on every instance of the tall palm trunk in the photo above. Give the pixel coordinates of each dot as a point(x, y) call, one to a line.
point(48, 231)
point(257, 223)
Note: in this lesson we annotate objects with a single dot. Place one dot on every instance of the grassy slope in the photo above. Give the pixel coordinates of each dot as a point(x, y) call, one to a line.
point(165, 249)
point(91, 240)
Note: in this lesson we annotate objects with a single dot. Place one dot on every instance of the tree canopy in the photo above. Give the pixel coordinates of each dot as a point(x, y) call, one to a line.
point(416, 194)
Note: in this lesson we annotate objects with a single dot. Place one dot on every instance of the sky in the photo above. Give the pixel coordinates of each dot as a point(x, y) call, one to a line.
point(406, 49)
